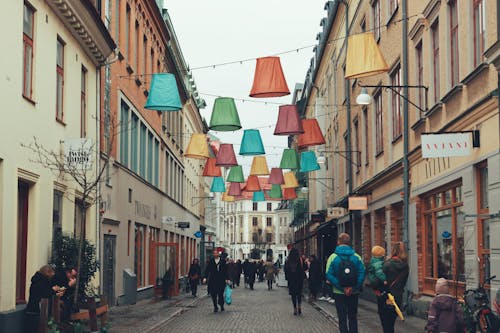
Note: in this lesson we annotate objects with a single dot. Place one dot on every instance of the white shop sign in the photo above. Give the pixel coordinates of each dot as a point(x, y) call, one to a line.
point(78, 154)
point(446, 145)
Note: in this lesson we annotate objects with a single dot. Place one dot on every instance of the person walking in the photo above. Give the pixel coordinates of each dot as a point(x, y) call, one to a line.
point(217, 277)
point(445, 314)
point(232, 271)
point(194, 275)
point(250, 274)
point(239, 270)
point(396, 271)
point(314, 281)
point(346, 273)
point(270, 273)
point(294, 274)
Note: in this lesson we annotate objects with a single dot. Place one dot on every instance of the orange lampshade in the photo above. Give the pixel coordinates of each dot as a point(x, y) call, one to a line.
point(227, 198)
point(259, 166)
point(210, 169)
point(290, 180)
point(197, 147)
point(289, 194)
point(253, 184)
point(312, 135)
point(364, 57)
point(269, 80)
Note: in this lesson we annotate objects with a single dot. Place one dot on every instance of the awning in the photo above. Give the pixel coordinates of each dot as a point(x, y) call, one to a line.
point(329, 225)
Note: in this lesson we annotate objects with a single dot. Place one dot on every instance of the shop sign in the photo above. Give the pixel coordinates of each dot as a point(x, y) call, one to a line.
point(446, 145)
point(358, 203)
point(78, 154)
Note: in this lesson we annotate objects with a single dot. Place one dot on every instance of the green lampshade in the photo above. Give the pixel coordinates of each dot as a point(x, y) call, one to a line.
point(163, 94)
point(224, 115)
point(251, 144)
point(236, 174)
point(258, 196)
point(308, 162)
point(275, 191)
point(290, 159)
point(218, 185)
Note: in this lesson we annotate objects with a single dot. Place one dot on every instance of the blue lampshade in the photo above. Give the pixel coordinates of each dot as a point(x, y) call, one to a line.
point(163, 93)
point(258, 196)
point(218, 185)
point(308, 162)
point(251, 144)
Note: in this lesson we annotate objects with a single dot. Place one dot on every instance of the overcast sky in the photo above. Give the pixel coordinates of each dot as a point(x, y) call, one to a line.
point(216, 31)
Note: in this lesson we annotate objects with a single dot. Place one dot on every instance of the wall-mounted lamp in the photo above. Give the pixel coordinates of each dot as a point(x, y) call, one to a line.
point(322, 158)
point(210, 196)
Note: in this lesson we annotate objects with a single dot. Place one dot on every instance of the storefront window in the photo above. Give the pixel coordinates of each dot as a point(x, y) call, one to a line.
point(483, 220)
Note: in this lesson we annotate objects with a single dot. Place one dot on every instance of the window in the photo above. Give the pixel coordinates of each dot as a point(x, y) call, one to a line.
point(80, 225)
point(255, 206)
point(144, 54)
point(130, 195)
point(134, 137)
point(420, 76)
point(59, 80)
point(435, 59)
point(255, 221)
point(454, 41)
point(367, 136)
point(127, 34)
point(269, 206)
point(376, 19)
point(129, 227)
point(379, 125)
point(269, 221)
point(57, 214)
point(346, 163)
point(393, 6)
point(83, 104)
point(269, 237)
point(483, 221)
point(396, 103)
point(117, 22)
point(363, 25)
point(356, 146)
point(241, 237)
point(139, 253)
point(28, 23)
point(150, 157)
point(479, 31)
point(255, 238)
point(136, 46)
point(124, 111)
point(22, 240)
point(142, 152)
point(156, 180)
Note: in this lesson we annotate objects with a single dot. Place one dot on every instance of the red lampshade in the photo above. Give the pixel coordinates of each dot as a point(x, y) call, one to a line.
point(226, 156)
point(234, 189)
point(288, 121)
point(289, 194)
point(312, 135)
point(210, 169)
point(269, 80)
point(253, 184)
point(276, 176)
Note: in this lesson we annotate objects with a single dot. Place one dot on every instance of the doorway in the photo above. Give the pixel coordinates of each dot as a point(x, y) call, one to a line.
point(22, 240)
point(108, 267)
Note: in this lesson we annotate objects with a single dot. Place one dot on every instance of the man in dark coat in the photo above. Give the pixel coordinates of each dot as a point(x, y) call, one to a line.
point(66, 279)
point(217, 277)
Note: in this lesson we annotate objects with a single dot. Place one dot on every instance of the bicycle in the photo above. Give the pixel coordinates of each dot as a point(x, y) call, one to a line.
point(477, 311)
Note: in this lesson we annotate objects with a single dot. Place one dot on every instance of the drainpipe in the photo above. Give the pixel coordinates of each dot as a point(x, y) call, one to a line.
point(98, 167)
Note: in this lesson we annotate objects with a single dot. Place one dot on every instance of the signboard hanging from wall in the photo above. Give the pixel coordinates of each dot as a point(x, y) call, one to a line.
point(358, 203)
point(78, 154)
point(446, 145)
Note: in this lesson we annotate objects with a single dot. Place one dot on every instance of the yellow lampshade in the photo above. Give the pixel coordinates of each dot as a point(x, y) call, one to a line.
point(259, 166)
point(290, 180)
point(227, 198)
point(364, 57)
point(197, 147)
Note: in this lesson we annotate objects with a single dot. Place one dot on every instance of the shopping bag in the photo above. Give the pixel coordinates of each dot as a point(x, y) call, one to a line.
point(227, 295)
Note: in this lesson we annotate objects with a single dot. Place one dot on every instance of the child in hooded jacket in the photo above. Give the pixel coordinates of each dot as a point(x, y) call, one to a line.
point(445, 314)
point(376, 275)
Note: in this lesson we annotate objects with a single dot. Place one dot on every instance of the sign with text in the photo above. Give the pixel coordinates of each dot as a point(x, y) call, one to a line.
point(358, 203)
point(446, 145)
point(78, 154)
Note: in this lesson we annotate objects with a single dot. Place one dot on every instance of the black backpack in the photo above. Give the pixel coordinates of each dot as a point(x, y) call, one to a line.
point(348, 273)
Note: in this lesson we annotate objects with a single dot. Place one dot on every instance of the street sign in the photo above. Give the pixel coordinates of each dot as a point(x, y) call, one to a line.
point(358, 203)
point(198, 234)
point(182, 225)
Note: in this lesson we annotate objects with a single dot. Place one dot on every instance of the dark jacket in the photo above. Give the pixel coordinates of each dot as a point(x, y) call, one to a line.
point(194, 272)
point(376, 275)
point(396, 272)
point(232, 271)
point(216, 275)
point(295, 276)
point(314, 274)
point(444, 315)
point(41, 287)
point(345, 252)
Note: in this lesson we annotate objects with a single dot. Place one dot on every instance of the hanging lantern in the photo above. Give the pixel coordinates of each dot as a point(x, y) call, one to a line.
point(289, 194)
point(163, 93)
point(253, 184)
point(275, 191)
point(259, 166)
point(218, 185)
point(236, 174)
point(288, 121)
point(224, 116)
point(226, 156)
point(312, 135)
point(258, 196)
point(227, 198)
point(364, 57)
point(269, 80)
point(290, 180)
point(234, 189)
point(308, 162)
point(276, 176)
point(251, 144)
point(210, 169)
point(197, 147)
point(289, 159)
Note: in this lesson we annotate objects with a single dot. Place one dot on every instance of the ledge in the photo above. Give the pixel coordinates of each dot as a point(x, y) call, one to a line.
point(475, 73)
point(130, 70)
point(453, 91)
point(418, 123)
point(391, 17)
point(110, 221)
point(437, 107)
point(397, 138)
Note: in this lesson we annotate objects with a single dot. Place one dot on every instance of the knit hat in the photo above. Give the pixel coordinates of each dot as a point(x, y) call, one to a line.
point(442, 286)
point(378, 251)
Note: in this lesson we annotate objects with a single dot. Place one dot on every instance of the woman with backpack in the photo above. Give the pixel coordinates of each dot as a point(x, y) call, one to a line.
point(294, 274)
point(445, 314)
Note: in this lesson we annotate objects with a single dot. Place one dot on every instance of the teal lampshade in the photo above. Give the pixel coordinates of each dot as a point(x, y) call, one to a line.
point(224, 115)
point(258, 196)
point(275, 191)
point(290, 159)
point(308, 161)
point(218, 185)
point(251, 144)
point(236, 174)
point(163, 93)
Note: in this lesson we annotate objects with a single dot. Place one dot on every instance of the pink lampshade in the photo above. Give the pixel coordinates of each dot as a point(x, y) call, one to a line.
point(226, 156)
point(234, 189)
point(288, 121)
point(276, 176)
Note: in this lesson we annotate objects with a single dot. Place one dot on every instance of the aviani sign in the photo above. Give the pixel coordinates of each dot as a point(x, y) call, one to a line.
point(78, 154)
point(446, 145)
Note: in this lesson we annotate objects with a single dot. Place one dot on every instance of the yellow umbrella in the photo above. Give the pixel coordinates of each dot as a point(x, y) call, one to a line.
point(392, 301)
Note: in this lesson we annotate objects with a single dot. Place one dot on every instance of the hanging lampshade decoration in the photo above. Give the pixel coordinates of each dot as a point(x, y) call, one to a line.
point(210, 169)
point(258, 196)
point(290, 180)
point(253, 184)
point(197, 147)
point(289, 159)
point(259, 166)
point(364, 57)
point(269, 80)
point(275, 192)
point(163, 93)
point(276, 176)
point(289, 194)
point(224, 116)
point(226, 156)
point(312, 135)
point(308, 161)
point(227, 198)
point(288, 121)
point(234, 189)
point(218, 185)
point(236, 174)
point(251, 144)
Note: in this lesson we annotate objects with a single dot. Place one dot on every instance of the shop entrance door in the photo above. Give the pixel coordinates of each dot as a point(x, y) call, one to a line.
point(164, 266)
